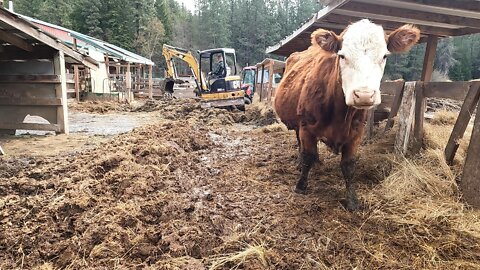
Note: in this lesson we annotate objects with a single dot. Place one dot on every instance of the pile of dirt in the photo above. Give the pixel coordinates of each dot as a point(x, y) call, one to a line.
point(182, 194)
point(257, 114)
point(101, 107)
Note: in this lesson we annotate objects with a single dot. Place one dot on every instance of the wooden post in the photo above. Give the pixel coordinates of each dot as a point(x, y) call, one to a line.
point(429, 59)
point(421, 103)
point(420, 107)
point(468, 107)
point(107, 63)
point(369, 125)
point(61, 91)
point(76, 77)
point(128, 82)
point(397, 101)
point(261, 82)
point(406, 115)
point(137, 77)
point(470, 183)
point(150, 82)
point(270, 81)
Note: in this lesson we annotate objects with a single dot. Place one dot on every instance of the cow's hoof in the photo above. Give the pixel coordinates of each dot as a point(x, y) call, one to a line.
point(352, 204)
point(300, 190)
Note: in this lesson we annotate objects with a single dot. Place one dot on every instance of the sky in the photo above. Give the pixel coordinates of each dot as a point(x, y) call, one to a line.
point(190, 4)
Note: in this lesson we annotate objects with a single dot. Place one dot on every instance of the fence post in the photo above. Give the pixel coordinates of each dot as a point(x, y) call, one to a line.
point(406, 115)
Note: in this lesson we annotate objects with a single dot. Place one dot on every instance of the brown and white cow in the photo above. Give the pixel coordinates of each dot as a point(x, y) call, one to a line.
point(328, 88)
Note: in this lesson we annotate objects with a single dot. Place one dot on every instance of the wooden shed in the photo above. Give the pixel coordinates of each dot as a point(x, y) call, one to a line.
point(120, 73)
point(435, 19)
point(33, 76)
point(269, 73)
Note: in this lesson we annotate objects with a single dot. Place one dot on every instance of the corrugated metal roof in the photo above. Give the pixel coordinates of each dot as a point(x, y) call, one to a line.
point(101, 45)
point(31, 34)
point(433, 17)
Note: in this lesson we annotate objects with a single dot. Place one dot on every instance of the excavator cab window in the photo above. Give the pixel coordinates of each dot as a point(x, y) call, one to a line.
point(231, 64)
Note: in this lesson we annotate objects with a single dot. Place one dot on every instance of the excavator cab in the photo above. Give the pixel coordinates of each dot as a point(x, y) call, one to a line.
point(222, 85)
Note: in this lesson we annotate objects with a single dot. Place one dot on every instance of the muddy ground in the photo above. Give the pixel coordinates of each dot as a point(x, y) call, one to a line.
point(212, 189)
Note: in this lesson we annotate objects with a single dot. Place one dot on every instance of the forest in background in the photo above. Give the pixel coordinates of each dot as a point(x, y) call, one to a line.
point(249, 26)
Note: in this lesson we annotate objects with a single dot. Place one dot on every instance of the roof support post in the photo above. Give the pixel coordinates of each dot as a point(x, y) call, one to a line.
point(128, 81)
point(421, 103)
point(429, 59)
point(76, 77)
point(150, 82)
point(61, 91)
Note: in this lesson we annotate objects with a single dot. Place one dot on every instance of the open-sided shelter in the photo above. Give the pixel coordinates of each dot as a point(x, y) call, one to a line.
point(33, 77)
point(435, 19)
point(120, 71)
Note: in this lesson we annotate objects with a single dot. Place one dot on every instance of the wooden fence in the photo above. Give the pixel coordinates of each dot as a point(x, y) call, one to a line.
point(409, 102)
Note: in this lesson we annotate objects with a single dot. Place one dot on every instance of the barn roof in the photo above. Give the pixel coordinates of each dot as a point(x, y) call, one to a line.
point(67, 36)
point(23, 34)
point(440, 18)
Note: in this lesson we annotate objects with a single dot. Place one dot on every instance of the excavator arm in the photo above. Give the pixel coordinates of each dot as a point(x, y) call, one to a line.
point(170, 52)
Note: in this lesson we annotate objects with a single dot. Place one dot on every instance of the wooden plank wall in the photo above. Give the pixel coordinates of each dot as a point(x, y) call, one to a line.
point(33, 87)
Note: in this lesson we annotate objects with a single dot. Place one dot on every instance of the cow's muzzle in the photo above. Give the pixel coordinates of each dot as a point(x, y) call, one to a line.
point(364, 98)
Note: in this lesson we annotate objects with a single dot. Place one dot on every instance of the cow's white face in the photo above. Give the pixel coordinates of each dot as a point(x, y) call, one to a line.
point(362, 62)
point(362, 52)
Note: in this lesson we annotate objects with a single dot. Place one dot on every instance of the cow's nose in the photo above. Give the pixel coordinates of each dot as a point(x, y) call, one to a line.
point(363, 97)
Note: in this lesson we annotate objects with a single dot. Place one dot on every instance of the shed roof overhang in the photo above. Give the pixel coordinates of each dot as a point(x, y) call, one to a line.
point(440, 18)
point(27, 36)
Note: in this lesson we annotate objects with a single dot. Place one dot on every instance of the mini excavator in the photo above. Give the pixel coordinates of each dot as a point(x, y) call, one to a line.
point(216, 79)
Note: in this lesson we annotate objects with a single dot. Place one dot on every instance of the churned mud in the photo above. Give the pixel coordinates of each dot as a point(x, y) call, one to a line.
point(194, 188)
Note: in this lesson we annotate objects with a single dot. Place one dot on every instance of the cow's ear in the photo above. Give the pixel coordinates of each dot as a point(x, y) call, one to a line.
point(327, 40)
point(402, 39)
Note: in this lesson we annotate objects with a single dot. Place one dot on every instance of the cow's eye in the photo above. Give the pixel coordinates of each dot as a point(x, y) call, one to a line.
point(341, 56)
point(385, 57)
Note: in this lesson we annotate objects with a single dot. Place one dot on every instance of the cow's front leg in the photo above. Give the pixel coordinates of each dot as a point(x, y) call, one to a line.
point(308, 156)
point(348, 168)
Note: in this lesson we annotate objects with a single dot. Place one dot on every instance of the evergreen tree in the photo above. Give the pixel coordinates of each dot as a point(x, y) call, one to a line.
point(444, 56)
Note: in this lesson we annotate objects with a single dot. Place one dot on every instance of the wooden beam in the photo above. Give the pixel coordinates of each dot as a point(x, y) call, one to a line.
point(463, 119)
point(468, 9)
point(30, 126)
point(415, 16)
point(61, 92)
point(470, 183)
point(450, 90)
point(388, 25)
point(15, 22)
point(30, 79)
point(30, 101)
point(16, 41)
point(405, 120)
point(453, 6)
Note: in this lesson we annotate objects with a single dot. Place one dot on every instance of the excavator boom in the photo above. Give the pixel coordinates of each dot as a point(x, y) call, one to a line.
point(170, 52)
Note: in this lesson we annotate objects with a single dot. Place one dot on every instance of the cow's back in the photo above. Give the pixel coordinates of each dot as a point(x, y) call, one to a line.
point(299, 68)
